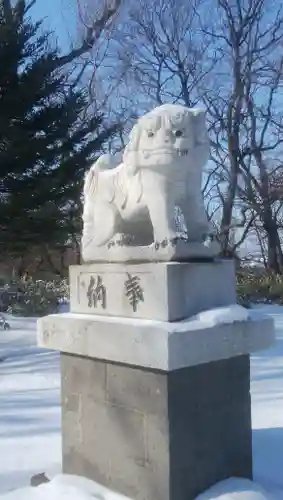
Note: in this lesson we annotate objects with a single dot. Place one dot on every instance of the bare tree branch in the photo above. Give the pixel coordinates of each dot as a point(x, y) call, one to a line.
point(93, 33)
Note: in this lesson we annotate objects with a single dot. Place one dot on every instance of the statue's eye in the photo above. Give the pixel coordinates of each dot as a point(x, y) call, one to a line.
point(178, 133)
point(150, 133)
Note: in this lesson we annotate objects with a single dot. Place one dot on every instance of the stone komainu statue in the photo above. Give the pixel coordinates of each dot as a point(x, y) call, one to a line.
point(161, 169)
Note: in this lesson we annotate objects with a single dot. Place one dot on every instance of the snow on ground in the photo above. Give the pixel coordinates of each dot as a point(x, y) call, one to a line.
point(78, 488)
point(29, 406)
point(236, 489)
point(69, 487)
point(267, 407)
point(30, 417)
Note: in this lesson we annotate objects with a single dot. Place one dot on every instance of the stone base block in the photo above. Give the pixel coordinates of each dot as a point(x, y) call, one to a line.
point(154, 435)
point(162, 291)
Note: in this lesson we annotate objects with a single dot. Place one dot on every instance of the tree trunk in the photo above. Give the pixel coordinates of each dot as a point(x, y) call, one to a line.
point(227, 212)
point(274, 251)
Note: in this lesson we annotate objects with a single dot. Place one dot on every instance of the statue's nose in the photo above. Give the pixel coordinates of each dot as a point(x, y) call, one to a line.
point(167, 136)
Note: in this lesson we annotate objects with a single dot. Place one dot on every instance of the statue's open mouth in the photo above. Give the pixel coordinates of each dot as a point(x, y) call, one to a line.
point(171, 152)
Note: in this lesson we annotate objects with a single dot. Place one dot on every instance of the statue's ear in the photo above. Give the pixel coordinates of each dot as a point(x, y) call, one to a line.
point(134, 138)
point(199, 125)
point(131, 152)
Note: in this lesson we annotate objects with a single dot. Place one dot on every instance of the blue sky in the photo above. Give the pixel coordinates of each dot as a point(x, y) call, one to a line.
point(58, 16)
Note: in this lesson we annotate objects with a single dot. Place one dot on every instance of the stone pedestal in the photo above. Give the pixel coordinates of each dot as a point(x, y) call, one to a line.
point(156, 435)
point(152, 408)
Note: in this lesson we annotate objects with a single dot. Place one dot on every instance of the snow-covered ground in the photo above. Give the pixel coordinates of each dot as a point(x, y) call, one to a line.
point(30, 410)
point(29, 406)
point(267, 407)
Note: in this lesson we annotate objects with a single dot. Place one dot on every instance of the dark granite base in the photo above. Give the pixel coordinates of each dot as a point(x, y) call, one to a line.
point(154, 435)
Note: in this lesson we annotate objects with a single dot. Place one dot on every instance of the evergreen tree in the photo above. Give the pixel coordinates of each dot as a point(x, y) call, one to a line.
point(45, 146)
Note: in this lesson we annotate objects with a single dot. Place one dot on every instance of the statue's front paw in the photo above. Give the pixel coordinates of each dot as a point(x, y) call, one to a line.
point(165, 241)
point(161, 244)
point(120, 240)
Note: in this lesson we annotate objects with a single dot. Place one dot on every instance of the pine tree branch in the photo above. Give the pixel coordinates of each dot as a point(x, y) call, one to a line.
point(7, 10)
point(30, 5)
point(93, 34)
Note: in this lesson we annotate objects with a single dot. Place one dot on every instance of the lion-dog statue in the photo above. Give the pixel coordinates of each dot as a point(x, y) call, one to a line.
point(161, 169)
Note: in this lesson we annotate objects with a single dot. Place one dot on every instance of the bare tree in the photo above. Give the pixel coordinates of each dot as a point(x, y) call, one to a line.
point(97, 69)
point(225, 55)
point(244, 109)
point(162, 52)
point(98, 23)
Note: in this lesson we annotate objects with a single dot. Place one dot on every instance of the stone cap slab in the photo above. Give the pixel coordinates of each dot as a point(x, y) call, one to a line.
point(151, 344)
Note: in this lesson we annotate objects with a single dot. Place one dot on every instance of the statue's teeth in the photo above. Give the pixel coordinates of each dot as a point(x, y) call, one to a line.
point(182, 152)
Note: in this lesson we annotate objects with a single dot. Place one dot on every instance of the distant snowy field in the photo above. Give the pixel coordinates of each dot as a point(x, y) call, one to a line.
point(30, 412)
